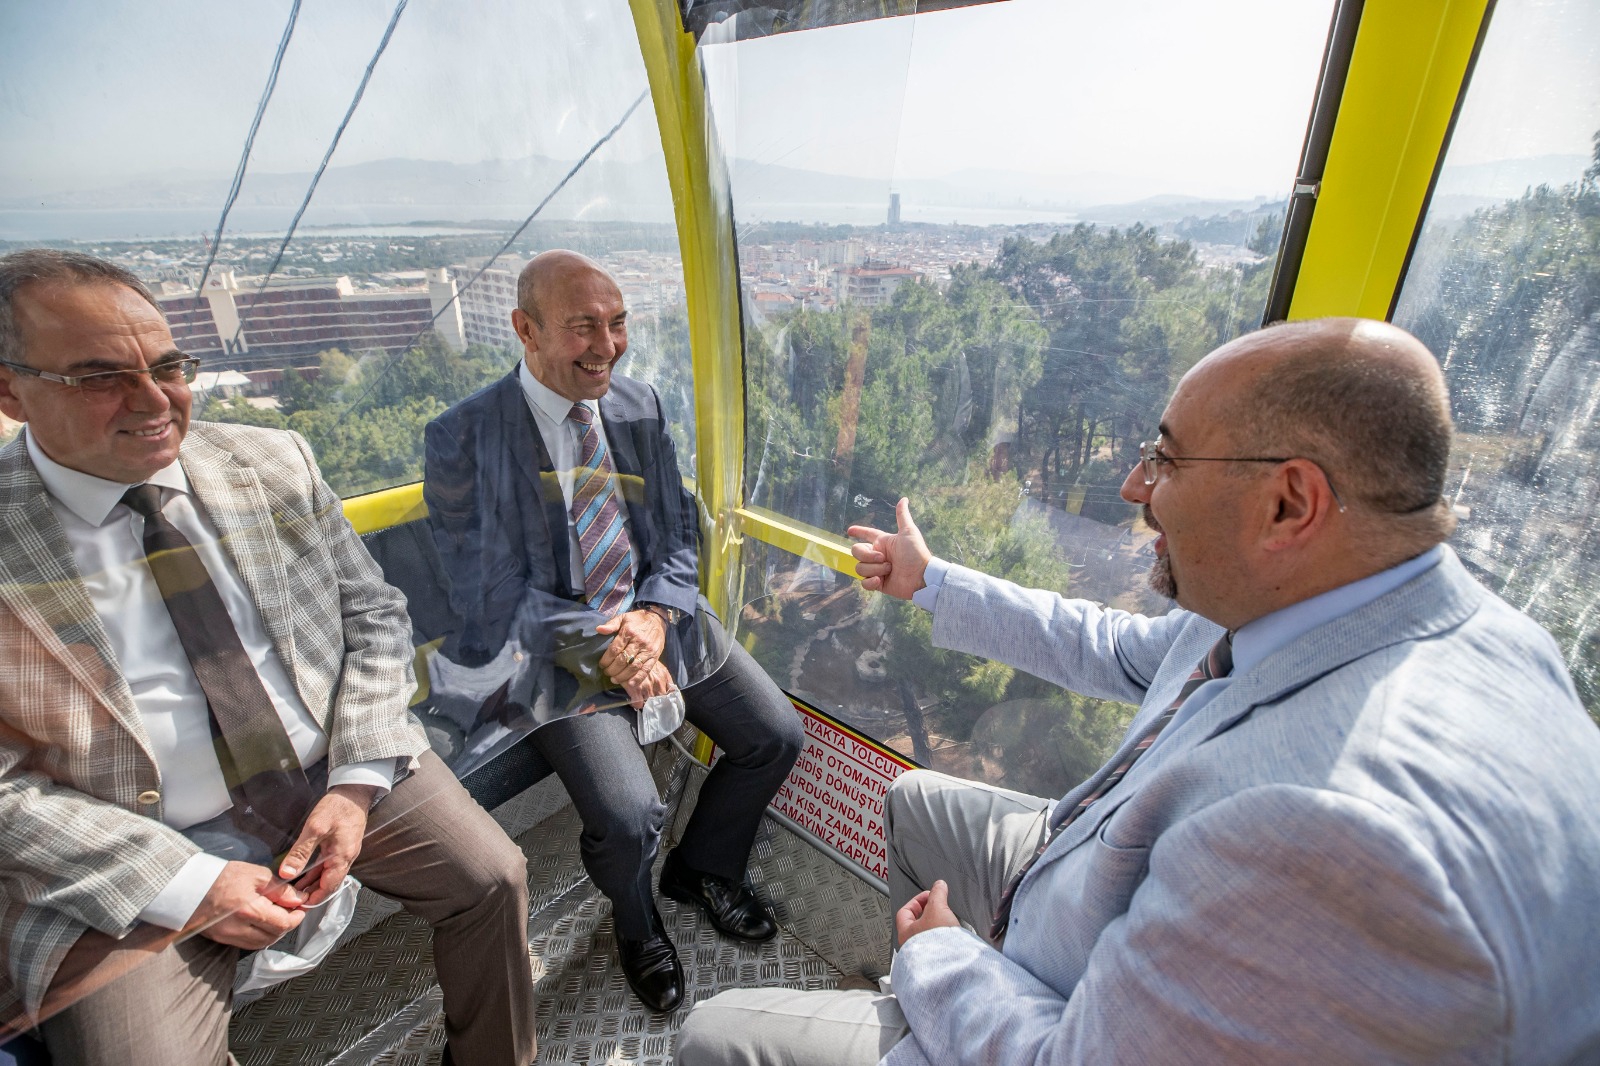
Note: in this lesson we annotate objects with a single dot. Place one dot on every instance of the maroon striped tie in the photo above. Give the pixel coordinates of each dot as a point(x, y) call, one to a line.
point(1218, 662)
point(597, 516)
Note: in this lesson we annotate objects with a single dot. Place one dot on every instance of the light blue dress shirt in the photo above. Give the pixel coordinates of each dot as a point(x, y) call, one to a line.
point(1256, 640)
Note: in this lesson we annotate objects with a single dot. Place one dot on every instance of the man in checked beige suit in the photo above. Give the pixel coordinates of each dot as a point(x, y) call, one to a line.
point(117, 932)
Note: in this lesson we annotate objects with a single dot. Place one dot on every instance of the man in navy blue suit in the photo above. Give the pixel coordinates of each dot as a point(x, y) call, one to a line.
point(572, 547)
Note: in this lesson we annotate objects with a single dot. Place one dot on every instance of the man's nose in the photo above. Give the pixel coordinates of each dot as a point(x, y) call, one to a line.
point(141, 393)
point(1134, 490)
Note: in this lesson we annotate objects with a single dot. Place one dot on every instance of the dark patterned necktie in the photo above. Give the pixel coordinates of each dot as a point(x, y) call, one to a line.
point(270, 791)
point(1218, 662)
point(597, 516)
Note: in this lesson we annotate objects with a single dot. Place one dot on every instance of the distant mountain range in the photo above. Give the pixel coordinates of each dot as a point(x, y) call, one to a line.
point(767, 192)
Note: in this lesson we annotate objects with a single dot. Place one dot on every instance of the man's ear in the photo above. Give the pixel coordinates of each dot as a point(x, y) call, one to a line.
point(10, 402)
point(1302, 501)
point(522, 322)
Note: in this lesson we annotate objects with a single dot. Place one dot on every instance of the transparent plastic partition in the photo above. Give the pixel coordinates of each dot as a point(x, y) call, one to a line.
point(1503, 288)
point(331, 204)
point(978, 247)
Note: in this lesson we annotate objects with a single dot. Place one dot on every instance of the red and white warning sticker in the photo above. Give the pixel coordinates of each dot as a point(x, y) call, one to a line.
point(835, 791)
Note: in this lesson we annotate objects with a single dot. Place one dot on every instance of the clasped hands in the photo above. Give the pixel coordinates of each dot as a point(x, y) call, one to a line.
point(248, 907)
point(633, 658)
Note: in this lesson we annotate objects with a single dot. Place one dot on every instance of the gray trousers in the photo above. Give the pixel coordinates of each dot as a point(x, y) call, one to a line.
point(428, 845)
point(970, 835)
point(600, 763)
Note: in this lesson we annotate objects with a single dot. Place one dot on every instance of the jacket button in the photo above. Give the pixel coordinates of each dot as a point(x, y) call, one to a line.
point(149, 798)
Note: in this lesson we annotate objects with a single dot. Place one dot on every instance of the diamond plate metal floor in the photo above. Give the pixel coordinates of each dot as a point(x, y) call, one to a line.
point(374, 1000)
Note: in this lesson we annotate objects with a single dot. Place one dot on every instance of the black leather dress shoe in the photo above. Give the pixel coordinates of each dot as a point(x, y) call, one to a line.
point(652, 968)
point(733, 908)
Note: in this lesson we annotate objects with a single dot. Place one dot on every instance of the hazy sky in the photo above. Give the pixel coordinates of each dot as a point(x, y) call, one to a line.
point(1209, 98)
point(1212, 96)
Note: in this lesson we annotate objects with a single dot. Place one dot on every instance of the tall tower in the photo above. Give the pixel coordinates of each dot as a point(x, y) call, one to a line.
point(894, 209)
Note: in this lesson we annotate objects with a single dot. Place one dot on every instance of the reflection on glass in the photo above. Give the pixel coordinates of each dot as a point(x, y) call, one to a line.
point(390, 303)
point(379, 312)
point(1505, 288)
point(868, 659)
point(545, 527)
point(998, 374)
point(211, 730)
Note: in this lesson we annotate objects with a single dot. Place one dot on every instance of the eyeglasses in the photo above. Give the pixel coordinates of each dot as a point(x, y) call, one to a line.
point(170, 372)
point(1152, 459)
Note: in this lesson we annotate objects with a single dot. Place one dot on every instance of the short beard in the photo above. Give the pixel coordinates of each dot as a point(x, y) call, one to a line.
point(1160, 577)
point(1161, 580)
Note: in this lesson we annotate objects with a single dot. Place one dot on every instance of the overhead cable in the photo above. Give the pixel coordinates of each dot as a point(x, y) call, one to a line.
point(504, 247)
point(249, 142)
point(327, 156)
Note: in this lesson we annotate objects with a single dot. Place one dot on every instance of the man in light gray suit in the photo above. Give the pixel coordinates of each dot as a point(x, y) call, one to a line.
point(1355, 820)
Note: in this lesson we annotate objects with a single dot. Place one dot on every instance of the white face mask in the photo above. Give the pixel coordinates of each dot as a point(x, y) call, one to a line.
point(660, 717)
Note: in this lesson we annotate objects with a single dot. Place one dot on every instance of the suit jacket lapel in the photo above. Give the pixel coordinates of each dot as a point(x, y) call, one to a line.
point(234, 500)
point(40, 583)
point(532, 470)
point(1440, 599)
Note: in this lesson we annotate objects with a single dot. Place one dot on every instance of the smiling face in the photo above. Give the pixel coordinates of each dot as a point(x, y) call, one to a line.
point(73, 328)
point(583, 332)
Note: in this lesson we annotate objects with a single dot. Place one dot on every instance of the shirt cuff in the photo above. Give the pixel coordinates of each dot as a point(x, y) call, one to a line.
point(933, 580)
point(379, 773)
point(175, 905)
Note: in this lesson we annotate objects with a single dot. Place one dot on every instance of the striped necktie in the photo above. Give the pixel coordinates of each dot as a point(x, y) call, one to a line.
point(597, 516)
point(1218, 662)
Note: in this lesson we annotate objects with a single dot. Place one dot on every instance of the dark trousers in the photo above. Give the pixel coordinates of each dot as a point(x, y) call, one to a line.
point(429, 846)
point(599, 761)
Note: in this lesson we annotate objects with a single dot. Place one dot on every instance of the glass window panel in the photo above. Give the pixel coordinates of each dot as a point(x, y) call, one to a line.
point(124, 127)
point(868, 661)
point(977, 249)
point(1504, 287)
point(385, 306)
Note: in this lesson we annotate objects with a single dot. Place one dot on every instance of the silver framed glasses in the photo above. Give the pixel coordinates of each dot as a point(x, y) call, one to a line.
point(1152, 459)
point(166, 372)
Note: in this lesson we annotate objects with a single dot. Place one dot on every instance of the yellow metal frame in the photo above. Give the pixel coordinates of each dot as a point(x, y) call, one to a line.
point(389, 507)
point(1410, 61)
point(797, 538)
point(711, 283)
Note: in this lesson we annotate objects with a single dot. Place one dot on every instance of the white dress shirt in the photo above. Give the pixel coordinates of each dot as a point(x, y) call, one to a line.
point(107, 542)
point(562, 439)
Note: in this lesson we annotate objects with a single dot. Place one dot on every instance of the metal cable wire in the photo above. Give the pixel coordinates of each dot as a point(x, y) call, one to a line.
point(327, 156)
point(504, 247)
point(249, 143)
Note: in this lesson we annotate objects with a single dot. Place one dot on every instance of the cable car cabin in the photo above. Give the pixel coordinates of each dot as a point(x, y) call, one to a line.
point(957, 251)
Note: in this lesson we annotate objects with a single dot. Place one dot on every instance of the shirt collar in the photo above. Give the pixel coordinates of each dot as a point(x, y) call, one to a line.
point(92, 498)
point(1258, 639)
point(555, 406)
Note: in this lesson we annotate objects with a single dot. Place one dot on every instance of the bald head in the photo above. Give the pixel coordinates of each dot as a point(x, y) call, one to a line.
point(547, 270)
point(1365, 400)
point(572, 322)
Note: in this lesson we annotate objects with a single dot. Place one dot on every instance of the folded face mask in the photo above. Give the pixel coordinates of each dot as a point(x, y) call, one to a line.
point(302, 948)
point(660, 717)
